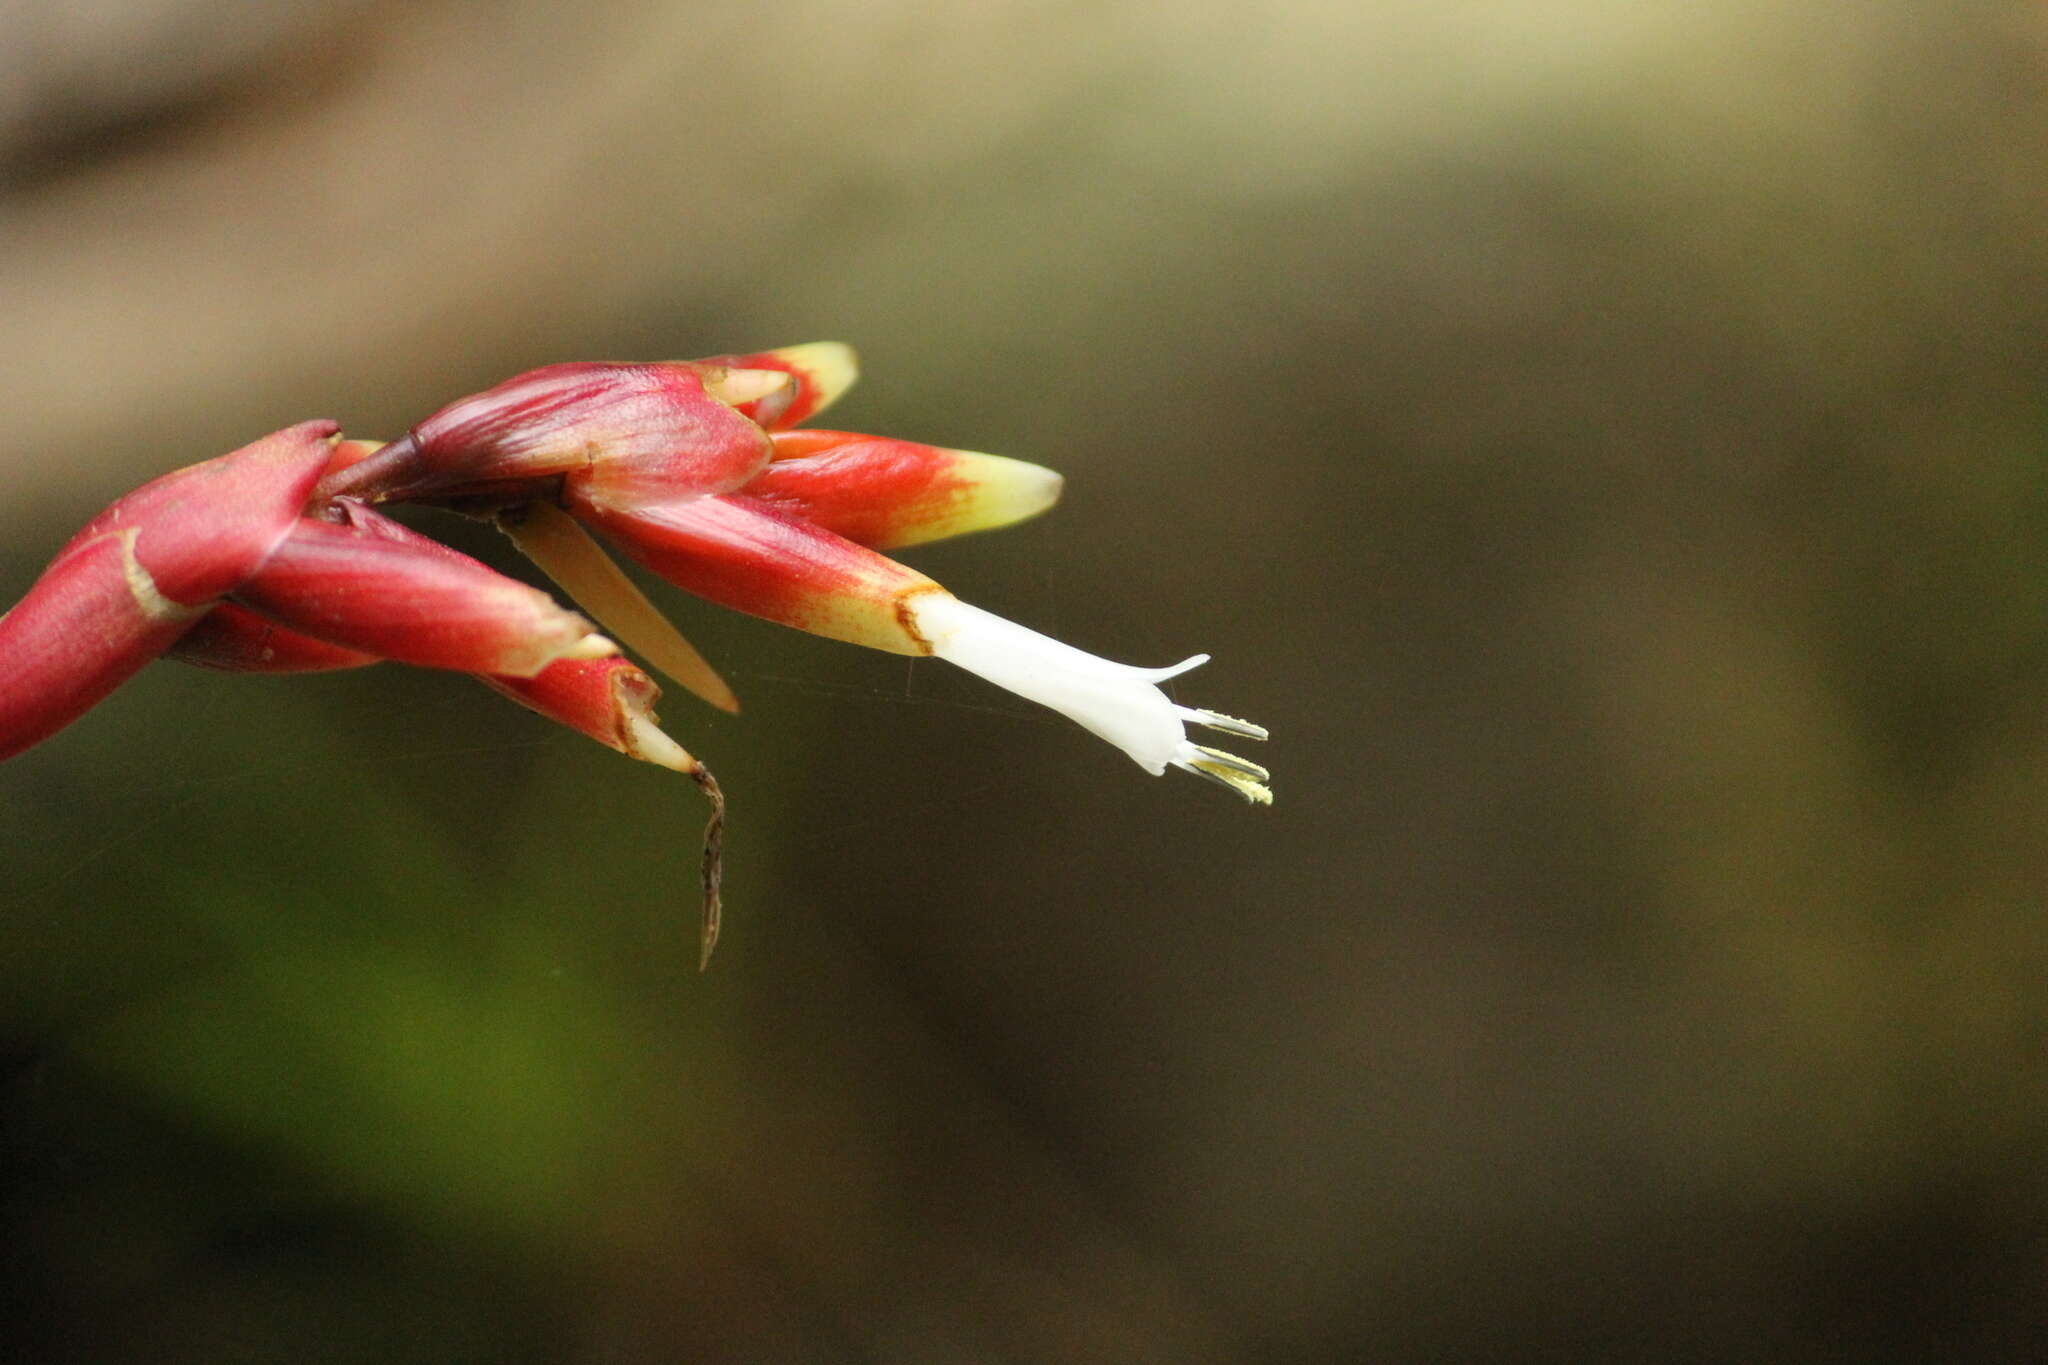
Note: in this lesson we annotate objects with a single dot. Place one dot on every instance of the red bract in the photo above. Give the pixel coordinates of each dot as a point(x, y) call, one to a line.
point(135, 579)
point(271, 560)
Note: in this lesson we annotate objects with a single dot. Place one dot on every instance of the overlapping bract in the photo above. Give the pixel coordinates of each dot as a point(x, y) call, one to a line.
point(273, 559)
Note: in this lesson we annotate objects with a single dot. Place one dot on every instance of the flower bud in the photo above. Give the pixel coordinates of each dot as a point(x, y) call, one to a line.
point(886, 494)
point(369, 584)
point(761, 560)
point(621, 433)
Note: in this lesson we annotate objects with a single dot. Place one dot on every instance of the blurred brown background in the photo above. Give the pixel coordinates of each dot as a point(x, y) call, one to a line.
point(1604, 441)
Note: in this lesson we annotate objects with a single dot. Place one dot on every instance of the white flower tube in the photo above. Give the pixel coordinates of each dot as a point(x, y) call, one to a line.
point(1118, 702)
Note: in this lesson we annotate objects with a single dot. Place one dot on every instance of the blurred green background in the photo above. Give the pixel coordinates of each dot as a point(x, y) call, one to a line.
point(1606, 442)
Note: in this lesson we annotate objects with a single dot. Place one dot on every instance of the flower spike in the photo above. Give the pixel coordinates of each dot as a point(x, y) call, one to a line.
point(272, 559)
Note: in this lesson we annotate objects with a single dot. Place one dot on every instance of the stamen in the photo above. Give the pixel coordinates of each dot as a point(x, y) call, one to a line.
point(1216, 758)
point(1227, 770)
point(1229, 725)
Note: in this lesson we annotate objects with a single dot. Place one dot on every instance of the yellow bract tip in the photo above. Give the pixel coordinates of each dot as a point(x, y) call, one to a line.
point(831, 366)
point(989, 491)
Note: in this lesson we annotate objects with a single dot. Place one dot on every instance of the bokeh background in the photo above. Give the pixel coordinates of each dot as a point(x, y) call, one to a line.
point(1604, 440)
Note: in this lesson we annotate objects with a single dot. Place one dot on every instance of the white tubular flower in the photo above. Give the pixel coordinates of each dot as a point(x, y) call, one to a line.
point(1118, 702)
